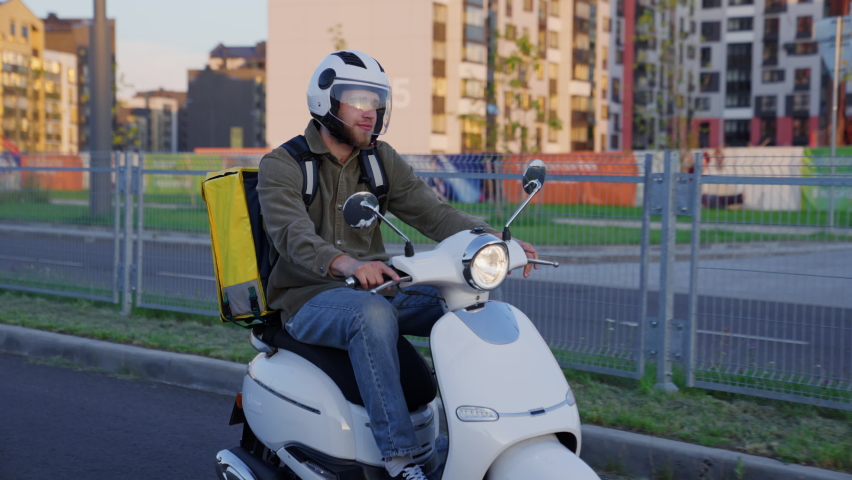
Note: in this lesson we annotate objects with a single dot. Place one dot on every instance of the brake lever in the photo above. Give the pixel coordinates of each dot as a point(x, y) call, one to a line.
point(390, 283)
point(543, 262)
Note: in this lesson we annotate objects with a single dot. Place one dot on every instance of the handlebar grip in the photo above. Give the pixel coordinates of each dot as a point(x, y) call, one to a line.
point(353, 282)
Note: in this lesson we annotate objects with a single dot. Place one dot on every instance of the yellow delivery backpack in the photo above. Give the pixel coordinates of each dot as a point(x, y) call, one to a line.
point(241, 248)
point(239, 243)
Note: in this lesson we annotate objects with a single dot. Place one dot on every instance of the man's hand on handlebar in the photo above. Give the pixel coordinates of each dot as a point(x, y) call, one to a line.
point(370, 274)
point(531, 253)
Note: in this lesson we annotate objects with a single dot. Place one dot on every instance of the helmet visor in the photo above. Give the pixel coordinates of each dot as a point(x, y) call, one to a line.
point(362, 105)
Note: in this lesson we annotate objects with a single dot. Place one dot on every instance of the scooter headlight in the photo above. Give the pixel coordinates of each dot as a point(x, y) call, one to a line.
point(487, 266)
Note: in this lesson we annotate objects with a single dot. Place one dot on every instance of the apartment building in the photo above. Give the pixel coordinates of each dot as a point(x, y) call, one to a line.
point(447, 65)
point(226, 102)
point(72, 35)
point(653, 71)
point(760, 79)
point(156, 121)
point(60, 102)
point(22, 54)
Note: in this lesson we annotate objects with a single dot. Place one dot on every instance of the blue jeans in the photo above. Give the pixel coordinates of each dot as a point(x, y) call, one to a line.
point(368, 326)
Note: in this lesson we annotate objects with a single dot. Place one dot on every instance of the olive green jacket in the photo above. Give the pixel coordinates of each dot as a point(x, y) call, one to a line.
point(306, 242)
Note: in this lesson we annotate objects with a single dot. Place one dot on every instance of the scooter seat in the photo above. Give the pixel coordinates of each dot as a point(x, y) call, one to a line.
point(418, 383)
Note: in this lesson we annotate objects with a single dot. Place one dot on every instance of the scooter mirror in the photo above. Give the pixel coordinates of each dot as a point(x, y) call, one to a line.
point(358, 215)
point(534, 176)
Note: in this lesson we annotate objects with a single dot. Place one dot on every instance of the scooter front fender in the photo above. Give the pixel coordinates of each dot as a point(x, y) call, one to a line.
point(539, 458)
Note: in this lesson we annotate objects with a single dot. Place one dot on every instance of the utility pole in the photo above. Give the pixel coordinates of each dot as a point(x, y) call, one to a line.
point(100, 133)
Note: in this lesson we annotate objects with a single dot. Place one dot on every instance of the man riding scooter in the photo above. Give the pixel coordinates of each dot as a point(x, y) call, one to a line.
point(314, 250)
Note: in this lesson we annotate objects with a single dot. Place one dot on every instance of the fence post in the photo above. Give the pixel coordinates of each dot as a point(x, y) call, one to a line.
point(128, 232)
point(691, 326)
point(140, 230)
point(643, 262)
point(663, 324)
point(118, 172)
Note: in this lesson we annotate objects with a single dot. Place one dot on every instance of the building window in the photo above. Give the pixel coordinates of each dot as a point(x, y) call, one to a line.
point(702, 104)
point(471, 135)
point(511, 32)
point(582, 10)
point(474, 52)
point(613, 142)
point(767, 104)
point(552, 134)
point(12, 28)
point(773, 76)
point(616, 90)
point(606, 25)
point(709, 82)
point(581, 72)
point(737, 133)
point(439, 86)
point(711, 3)
point(711, 31)
point(619, 57)
point(734, 3)
point(768, 127)
point(740, 24)
point(509, 8)
point(439, 123)
point(528, 5)
point(704, 135)
point(800, 131)
point(690, 52)
point(553, 40)
point(604, 57)
point(801, 103)
point(804, 27)
point(803, 79)
point(770, 53)
point(554, 8)
point(802, 48)
point(770, 26)
point(706, 56)
point(25, 31)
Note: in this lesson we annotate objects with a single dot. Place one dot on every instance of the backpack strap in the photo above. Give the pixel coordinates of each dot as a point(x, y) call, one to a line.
point(373, 173)
point(298, 148)
point(372, 169)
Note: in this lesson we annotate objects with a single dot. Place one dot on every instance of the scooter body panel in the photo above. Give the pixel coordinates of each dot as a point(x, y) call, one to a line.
point(287, 400)
point(541, 458)
point(521, 381)
point(324, 420)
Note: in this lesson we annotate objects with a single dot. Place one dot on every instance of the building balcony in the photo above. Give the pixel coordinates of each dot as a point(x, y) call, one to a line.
point(770, 62)
point(770, 36)
point(802, 87)
point(581, 25)
point(580, 118)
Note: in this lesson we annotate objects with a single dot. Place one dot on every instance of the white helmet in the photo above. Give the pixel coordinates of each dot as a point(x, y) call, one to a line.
point(347, 70)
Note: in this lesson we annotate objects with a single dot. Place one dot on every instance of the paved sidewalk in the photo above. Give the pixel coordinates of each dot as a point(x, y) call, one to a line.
point(640, 456)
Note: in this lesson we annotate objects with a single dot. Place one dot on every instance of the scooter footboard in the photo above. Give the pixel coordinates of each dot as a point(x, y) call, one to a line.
point(541, 458)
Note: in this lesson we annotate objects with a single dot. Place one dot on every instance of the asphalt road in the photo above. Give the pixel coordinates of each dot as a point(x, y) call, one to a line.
point(789, 313)
point(59, 423)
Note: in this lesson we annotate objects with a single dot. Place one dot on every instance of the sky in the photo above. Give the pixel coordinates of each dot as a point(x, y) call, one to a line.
point(157, 41)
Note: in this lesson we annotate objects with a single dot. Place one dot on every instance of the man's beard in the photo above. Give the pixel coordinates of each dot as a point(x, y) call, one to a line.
point(355, 136)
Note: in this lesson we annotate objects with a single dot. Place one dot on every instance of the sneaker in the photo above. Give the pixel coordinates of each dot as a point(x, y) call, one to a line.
point(413, 472)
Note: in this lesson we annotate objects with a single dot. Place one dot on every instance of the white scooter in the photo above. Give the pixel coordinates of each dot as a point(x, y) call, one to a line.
point(509, 411)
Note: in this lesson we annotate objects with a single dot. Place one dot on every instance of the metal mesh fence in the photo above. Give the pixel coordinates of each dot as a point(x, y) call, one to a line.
point(759, 278)
point(773, 315)
point(58, 235)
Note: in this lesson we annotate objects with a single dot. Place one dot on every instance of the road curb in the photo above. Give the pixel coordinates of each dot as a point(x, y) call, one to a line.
point(639, 456)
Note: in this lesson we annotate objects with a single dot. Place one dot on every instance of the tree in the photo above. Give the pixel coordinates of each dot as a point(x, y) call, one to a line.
point(337, 40)
point(666, 49)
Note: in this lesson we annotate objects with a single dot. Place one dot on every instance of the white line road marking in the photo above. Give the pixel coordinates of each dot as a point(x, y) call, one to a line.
point(37, 260)
point(753, 337)
point(187, 275)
